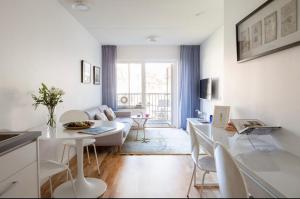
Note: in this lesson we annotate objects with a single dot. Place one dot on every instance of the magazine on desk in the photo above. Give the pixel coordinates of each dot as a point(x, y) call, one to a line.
point(246, 126)
point(97, 130)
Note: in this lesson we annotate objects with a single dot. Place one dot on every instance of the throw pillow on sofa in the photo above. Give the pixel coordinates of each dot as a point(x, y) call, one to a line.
point(111, 116)
point(101, 116)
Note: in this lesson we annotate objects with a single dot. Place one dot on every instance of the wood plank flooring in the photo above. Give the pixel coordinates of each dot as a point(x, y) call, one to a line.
point(133, 176)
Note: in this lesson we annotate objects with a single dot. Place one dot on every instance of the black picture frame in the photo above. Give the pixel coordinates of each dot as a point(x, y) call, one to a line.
point(86, 72)
point(97, 75)
point(241, 59)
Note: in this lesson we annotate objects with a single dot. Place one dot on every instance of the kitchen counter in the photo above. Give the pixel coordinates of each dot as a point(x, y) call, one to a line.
point(10, 141)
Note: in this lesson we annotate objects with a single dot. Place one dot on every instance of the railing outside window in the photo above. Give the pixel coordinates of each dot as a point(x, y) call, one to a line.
point(158, 105)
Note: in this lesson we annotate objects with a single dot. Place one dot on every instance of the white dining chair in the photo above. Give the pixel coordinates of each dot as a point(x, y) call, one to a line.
point(50, 165)
point(206, 163)
point(231, 181)
point(76, 116)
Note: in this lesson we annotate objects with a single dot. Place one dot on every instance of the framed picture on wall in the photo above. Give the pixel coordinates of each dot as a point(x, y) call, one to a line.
point(97, 75)
point(85, 72)
point(272, 27)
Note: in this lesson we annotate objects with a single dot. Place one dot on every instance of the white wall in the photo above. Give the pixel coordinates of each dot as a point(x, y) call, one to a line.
point(265, 88)
point(41, 42)
point(212, 65)
point(155, 54)
point(148, 53)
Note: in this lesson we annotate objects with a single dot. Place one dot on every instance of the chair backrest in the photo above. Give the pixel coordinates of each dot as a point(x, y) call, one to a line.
point(73, 116)
point(231, 181)
point(50, 150)
point(195, 146)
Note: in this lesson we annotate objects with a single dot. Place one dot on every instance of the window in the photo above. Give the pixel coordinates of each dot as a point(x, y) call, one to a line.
point(129, 85)
point(145, 86)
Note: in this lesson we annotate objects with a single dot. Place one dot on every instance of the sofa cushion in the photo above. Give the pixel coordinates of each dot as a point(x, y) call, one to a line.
point(102, 108)
point(101, 116)
point(92, 112)
point(110, 114)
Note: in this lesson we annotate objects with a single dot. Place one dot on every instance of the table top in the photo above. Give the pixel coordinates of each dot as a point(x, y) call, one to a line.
point(140, 117)
point(263, 158)
point(61, 133)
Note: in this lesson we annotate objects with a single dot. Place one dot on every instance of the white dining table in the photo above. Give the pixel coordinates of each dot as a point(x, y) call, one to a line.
point(85, 187)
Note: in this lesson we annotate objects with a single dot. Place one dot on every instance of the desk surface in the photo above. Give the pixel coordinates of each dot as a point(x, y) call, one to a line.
point(261, 157)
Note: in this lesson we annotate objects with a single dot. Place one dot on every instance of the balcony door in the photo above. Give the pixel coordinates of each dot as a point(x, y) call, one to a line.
point(146, 86)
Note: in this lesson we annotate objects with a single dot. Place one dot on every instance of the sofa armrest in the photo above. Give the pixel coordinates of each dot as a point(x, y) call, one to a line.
point(123, 113)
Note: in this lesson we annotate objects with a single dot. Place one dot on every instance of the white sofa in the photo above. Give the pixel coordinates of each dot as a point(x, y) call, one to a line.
point(116, 139)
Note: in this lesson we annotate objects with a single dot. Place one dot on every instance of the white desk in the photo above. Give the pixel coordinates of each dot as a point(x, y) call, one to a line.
point(85, 187)
point(269, 169)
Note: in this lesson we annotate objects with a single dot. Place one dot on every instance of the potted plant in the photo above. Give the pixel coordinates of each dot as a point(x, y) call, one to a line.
point(49, 98)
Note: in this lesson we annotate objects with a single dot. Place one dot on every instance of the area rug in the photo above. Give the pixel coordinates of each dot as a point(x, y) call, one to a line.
point(163, 141)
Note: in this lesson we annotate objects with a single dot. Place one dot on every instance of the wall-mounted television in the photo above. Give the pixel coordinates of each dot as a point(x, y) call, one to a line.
point(205, 88)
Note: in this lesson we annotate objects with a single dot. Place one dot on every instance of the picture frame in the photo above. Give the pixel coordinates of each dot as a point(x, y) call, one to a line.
point(272, 27)
point(97, 75)
point(221, 116)
point(85, 72)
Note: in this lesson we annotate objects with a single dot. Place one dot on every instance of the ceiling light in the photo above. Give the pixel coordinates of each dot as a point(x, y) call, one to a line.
point(80, 6)
point(152, 38)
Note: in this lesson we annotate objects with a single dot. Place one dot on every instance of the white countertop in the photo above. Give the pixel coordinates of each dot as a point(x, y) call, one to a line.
point(265, 160)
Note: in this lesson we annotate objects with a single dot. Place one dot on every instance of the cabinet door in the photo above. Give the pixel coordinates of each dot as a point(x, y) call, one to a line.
point(23, 184)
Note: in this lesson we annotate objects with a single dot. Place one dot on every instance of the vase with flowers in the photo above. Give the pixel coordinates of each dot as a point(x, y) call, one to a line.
point(49, 97)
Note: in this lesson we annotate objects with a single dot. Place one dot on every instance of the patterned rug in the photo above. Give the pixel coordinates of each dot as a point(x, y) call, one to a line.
point(163, 141)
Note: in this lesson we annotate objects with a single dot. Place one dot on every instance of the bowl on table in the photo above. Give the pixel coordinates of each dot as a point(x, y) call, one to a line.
point(78, 125)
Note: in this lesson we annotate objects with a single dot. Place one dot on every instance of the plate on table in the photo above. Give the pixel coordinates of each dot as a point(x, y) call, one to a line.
point(78, 125)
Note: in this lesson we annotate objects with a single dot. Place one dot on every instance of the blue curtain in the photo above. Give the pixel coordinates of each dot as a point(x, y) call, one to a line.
point(189, 82)
point(109, 83)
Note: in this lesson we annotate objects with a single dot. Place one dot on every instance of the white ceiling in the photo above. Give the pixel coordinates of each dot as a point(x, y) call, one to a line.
point(130, 22)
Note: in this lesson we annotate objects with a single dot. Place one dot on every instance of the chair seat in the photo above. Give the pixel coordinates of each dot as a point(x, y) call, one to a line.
point(86, 142)
point(50, 168)
point(207, 163)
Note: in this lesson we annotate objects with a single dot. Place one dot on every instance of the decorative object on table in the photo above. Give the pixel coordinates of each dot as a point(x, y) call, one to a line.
point(211, 118)
point(270, 28)
point(78, 125)
point(246, 126)
point(85, 72)
point(97, 75)
point(49, 98)
point(230, 128)
point(221, 116)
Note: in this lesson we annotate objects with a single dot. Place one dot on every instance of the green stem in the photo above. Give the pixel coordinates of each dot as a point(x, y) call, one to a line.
point(51, 122)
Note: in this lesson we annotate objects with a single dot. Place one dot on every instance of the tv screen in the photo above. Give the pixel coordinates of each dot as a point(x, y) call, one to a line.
point(205, 88)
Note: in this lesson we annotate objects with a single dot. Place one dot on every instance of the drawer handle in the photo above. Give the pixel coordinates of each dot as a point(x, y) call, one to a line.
point(9, 187)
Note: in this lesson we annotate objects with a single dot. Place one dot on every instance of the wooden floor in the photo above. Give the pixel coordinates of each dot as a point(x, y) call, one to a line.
point(139, 176)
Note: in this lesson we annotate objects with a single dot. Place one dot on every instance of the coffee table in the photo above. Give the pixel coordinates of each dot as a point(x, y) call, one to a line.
point(144, 119)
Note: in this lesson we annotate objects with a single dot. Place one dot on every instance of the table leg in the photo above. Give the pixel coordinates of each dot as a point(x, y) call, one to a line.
point(85, 187)
point(145, 140)
point(137, 130)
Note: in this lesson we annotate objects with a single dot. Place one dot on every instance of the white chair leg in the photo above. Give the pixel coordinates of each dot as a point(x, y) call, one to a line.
point(51, 188)
point(63, 154)
point(72, 181)
point(96, 159)
point(193, 176)
point(68, 161)
point(203, 179)
point(88, 154)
